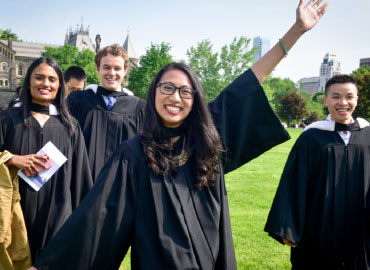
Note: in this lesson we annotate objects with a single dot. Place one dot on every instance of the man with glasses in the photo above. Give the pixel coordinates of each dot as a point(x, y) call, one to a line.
point(108, 114)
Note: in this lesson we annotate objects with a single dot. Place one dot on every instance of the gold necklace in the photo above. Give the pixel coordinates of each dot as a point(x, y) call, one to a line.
point(183, 157)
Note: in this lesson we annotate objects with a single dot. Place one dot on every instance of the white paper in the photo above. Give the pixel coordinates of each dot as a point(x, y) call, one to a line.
point(57, 160)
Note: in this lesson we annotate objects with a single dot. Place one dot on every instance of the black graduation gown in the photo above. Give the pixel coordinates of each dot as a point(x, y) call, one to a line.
point(168, 222)
point(46, 210)
point(322, 202)
point(104, 130)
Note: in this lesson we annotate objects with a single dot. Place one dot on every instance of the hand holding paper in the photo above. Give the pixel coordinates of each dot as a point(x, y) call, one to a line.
point(46, 164)
point(50, 162)
point(31, 164)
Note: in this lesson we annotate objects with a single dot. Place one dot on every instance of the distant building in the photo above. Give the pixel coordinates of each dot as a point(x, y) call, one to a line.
point(133, 60)
point(7, 67)
point(365, 61)
point(329, 68)
point(310, 85)
point(263, 46)
point(24, 54)
point(80, 39)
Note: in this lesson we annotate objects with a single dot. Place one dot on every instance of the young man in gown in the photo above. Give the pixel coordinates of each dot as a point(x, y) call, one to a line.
point(108, 114)
point(321, 208)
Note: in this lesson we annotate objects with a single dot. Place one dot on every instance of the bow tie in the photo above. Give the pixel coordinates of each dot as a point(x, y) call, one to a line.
point(347, 127)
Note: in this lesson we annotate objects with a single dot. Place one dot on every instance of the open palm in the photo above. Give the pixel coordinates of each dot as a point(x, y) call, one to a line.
point(308, 16)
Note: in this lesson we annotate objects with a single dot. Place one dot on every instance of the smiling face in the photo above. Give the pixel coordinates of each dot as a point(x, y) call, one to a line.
point(44, 84)
point(341, 101)
point(111, 72)
point(173, 109)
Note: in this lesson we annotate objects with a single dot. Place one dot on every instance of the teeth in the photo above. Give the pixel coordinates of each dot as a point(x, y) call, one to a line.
point(173, 109)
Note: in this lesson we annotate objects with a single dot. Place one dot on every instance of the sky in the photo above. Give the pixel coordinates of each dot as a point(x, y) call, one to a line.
point(344, 30)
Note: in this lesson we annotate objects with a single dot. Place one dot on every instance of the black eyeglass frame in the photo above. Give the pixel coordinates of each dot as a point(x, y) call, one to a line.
point(193, 91)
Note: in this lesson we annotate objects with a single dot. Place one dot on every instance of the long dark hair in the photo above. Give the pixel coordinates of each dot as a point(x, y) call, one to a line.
point(203, 143)
point(59, 102)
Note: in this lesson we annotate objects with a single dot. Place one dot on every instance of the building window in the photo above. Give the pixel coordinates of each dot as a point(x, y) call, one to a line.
point(1, 83)
point(20, 70)
point(4, 66)
point(6, 83)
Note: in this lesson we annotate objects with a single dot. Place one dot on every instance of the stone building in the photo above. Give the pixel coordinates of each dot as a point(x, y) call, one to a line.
point(80, 39)
point(15, 58)
point(132, 58)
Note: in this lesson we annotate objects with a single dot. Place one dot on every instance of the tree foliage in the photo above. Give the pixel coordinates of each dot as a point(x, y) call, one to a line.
point(318, 97)
point(361, 71)
point(215, 70)
point(69, 55)
point(275, 88)
point(205, 63)
point(235, 59)
point(362, 77)
point(4, 35)
point(156, 57)
point(315, 108)
point(293, 107)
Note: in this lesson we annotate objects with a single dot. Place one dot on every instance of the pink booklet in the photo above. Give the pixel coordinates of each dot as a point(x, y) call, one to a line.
point(47, 163)
point(55, 160)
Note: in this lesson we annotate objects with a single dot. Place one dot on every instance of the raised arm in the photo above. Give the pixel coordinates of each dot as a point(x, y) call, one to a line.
point(307, 17)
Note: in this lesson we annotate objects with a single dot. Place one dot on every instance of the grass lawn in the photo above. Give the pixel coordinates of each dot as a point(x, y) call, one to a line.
point(251, 190)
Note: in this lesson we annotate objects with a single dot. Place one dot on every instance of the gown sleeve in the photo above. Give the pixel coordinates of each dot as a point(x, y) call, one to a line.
point(245, 121)
point(82, 181)
point(98, 234)
point(287, 214)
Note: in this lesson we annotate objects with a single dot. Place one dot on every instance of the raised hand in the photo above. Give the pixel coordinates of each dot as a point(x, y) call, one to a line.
point(308, 16)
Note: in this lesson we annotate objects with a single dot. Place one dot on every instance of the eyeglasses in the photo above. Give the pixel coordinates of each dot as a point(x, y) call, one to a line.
point(168, 89)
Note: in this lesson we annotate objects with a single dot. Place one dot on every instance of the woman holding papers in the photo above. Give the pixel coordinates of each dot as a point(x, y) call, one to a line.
point(39, 118)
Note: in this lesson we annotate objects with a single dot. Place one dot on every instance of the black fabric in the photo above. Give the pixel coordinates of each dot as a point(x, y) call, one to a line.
point(347, 127)
point(173, 132)
point(45, 211)
point(34, 107)
point(104, 92)
point(167, 221)
point(322, 202)
point(104, 130)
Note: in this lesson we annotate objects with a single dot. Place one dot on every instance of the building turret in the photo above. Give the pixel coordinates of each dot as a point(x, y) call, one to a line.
point(97, 42)
point(10, 41)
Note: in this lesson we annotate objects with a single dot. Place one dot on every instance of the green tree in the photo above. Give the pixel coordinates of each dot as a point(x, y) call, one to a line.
point(311, 117)
point(275, 88)
point(312, 107)
point(86, 60)
point(235, 59)
point(215, 70)
point(362, 77)
point(292, 108)
point(69, 55)
point(205, 63)
point(156, 57)
point(4, 35)
point(361, 71)
point(318, 98)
